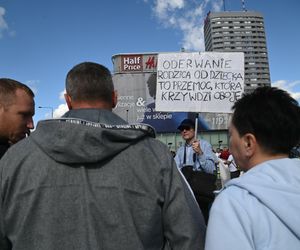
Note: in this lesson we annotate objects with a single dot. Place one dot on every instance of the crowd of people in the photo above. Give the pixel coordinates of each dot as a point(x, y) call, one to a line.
point(90, 180)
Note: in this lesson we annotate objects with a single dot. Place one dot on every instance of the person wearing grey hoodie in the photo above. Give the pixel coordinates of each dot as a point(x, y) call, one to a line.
point(260, 209)
point(91, 181)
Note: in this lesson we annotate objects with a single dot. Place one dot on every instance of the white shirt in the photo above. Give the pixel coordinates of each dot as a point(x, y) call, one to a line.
point(232, 165)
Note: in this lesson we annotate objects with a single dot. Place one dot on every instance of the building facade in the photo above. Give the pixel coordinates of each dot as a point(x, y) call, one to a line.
point(241, 32)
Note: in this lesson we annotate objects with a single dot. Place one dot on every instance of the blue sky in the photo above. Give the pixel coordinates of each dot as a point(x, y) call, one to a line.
point(40, 41)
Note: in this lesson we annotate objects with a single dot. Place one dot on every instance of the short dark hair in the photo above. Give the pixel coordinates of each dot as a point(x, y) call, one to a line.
point(89, 81)
point(272, 115)
point(8, 89)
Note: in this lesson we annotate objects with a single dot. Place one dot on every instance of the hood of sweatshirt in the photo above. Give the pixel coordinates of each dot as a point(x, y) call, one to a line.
point(87, 136)
point(276, 184)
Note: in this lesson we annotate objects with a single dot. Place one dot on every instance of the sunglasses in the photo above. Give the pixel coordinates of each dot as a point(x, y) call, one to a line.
point(185, 128)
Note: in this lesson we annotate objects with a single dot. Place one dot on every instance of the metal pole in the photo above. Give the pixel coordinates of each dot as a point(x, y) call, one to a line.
point(196, 126)
point(42, 107)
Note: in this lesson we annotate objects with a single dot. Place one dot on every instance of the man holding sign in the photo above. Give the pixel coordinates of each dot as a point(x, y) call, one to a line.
point(197, 156)
point(209, 82)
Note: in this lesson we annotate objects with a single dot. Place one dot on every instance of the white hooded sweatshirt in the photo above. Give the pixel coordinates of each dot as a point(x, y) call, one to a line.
point(259, 210)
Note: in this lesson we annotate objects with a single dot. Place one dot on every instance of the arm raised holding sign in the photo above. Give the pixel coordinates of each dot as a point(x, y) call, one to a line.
point(204, 158)
point(195, 153)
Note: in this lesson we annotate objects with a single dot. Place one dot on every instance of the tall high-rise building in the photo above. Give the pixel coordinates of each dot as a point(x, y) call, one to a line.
point(240, 32)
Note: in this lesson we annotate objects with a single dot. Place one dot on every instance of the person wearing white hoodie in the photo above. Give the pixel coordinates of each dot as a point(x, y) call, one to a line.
point(260, 210)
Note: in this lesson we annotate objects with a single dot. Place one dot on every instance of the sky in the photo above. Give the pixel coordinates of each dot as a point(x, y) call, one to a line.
point(40, 41)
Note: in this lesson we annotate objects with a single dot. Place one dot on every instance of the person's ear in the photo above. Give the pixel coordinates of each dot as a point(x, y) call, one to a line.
point(114, 98)
point(68, 101)
point(250, 144)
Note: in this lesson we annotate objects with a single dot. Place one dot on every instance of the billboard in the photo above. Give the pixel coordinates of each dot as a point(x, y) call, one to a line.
point(136, 103)
point(134, 63)
point(135, 79)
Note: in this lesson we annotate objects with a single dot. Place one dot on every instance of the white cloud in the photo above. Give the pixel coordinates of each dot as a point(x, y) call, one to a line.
point(3, 24)
point(62, 95)
point(163, 7)
point(291, 87)
point(186, 16)
point(60, 110)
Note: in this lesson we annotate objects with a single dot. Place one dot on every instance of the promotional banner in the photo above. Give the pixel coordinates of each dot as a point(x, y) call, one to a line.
point(199, 82)
point(136, 103)
point(135, 80)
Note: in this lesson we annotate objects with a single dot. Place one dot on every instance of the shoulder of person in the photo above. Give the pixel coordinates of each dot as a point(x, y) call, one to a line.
point(16, 154)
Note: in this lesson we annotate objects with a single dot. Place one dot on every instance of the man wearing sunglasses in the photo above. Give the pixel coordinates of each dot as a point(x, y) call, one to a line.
point(195, 155)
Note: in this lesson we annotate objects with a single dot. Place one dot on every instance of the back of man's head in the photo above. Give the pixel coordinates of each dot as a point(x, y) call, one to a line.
point(8, 88)
point(90, 82)
point(270, 114)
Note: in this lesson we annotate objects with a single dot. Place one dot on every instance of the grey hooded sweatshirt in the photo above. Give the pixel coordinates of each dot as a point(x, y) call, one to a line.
point(84, 183)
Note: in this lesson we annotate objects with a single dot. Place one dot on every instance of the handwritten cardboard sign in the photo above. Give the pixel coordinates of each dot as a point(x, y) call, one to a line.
point(199, 82)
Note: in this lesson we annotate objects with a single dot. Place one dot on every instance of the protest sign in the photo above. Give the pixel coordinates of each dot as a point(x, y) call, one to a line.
point(199, 81)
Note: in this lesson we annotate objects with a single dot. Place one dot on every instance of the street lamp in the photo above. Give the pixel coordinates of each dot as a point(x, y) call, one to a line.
point(42, 107)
